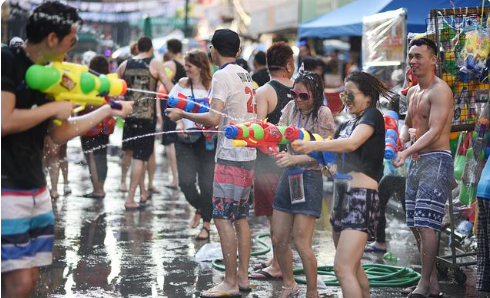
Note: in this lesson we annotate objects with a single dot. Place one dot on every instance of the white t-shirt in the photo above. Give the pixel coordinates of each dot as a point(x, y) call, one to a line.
point(198, 93)
point(234, 86)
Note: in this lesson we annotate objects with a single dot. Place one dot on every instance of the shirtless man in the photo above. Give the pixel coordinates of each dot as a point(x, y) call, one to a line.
point(430, 111)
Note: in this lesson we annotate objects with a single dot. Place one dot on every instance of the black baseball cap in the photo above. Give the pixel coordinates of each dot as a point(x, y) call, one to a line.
point(226, 42)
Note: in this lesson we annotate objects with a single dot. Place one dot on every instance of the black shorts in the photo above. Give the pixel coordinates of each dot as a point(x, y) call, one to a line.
point(139, 136)
point(96, 144)
point(355, 209)
point(169, 138)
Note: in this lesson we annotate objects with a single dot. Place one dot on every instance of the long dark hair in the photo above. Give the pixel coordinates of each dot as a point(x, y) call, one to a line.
point(370, 86)
point(200, 60)
point(314, 84)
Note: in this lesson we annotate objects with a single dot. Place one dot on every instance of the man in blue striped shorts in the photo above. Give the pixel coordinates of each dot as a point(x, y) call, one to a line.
point(27, 215)
point(427, 126)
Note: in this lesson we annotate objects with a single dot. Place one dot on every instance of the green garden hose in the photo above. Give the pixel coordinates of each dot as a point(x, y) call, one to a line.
point(379, 275)
point(218, 264)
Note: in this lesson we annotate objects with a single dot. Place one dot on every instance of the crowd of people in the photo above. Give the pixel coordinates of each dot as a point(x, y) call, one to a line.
point(216, 178)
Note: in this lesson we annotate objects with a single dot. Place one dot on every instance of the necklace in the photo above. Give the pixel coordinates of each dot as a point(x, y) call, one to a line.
point(416, 103)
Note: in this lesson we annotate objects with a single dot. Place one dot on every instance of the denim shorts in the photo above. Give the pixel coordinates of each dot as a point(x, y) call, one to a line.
point(356, 209)
point(313, 186)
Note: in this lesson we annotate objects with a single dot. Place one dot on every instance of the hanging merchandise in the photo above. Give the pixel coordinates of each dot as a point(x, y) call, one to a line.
point(475, 51)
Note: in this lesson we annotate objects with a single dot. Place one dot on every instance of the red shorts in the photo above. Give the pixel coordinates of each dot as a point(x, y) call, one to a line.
point(265, 186)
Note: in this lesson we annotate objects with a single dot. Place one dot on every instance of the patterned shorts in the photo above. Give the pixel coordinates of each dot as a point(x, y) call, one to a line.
point(232, 185)
point(428, 187)
point(355, 209)
point(27, 229)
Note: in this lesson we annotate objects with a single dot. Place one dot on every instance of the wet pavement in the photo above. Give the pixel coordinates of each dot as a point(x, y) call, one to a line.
point(103, 251)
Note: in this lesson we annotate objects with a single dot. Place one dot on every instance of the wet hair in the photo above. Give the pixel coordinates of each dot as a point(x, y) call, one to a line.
point(278, 56)
point(260, 58)
point(370, 86)
point(424, 41)
point(99, 64)
point(200, 60)
point(144, 44)
point(314, 84)
point(174, 46)
point(50, 17)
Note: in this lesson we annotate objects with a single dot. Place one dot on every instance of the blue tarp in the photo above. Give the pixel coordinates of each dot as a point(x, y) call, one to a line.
point(347, 20)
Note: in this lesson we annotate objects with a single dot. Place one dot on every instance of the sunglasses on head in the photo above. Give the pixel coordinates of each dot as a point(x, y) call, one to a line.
point(422, 41)
point(303, 95)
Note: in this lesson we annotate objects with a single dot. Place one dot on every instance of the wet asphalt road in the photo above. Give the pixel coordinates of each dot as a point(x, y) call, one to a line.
point(103, 251)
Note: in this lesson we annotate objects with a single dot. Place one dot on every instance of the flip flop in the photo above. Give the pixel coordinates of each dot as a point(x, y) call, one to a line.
point(408, 290)
point(204, 238)
point(93, 196)
point(440, 295)
point(373, 248)
point(263, 275)
point(243, 289)
point(172, 187)
point(260, 266)
point(416, 295)
point(218, 293)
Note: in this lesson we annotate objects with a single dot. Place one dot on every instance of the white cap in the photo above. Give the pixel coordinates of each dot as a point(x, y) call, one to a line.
point(87, 56)
point(16, 42)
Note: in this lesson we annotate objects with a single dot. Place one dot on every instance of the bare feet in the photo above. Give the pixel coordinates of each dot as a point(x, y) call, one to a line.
point(54, 194)
point(66, 189)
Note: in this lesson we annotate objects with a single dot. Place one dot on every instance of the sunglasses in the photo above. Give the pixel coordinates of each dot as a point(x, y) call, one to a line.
point(347, 97)
point(422, 41)
point(304, 96)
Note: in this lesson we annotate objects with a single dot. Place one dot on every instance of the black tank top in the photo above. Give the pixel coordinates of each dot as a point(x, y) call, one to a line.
point(137, 75)
point(283, 98)
point(179, 72)
point(266, 164)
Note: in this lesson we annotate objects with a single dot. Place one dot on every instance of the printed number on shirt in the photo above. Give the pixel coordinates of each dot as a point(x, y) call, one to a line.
point(251, 105)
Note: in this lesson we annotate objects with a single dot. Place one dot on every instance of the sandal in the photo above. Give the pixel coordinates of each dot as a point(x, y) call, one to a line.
point(204, 238)
point(292, 292)
point(408, 290)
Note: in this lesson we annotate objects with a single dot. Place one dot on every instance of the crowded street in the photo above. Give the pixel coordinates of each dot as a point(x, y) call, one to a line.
point(245, 148)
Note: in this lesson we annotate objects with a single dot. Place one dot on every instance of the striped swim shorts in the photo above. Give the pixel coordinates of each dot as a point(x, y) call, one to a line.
point(428, 187)
point(232, 185)
point(27, 229)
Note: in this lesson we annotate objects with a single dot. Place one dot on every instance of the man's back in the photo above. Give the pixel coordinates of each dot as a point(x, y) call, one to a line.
point(138, 76)
point(233, 85)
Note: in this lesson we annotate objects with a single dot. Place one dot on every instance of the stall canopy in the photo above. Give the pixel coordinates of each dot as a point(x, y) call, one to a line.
point(347, 20)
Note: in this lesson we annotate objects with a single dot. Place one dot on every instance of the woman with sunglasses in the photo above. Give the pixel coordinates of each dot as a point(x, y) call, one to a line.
point(298, 201)
point(361, 141)
point(195, 160)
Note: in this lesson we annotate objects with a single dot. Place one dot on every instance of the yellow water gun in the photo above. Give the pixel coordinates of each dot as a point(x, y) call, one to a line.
point(75, 83)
